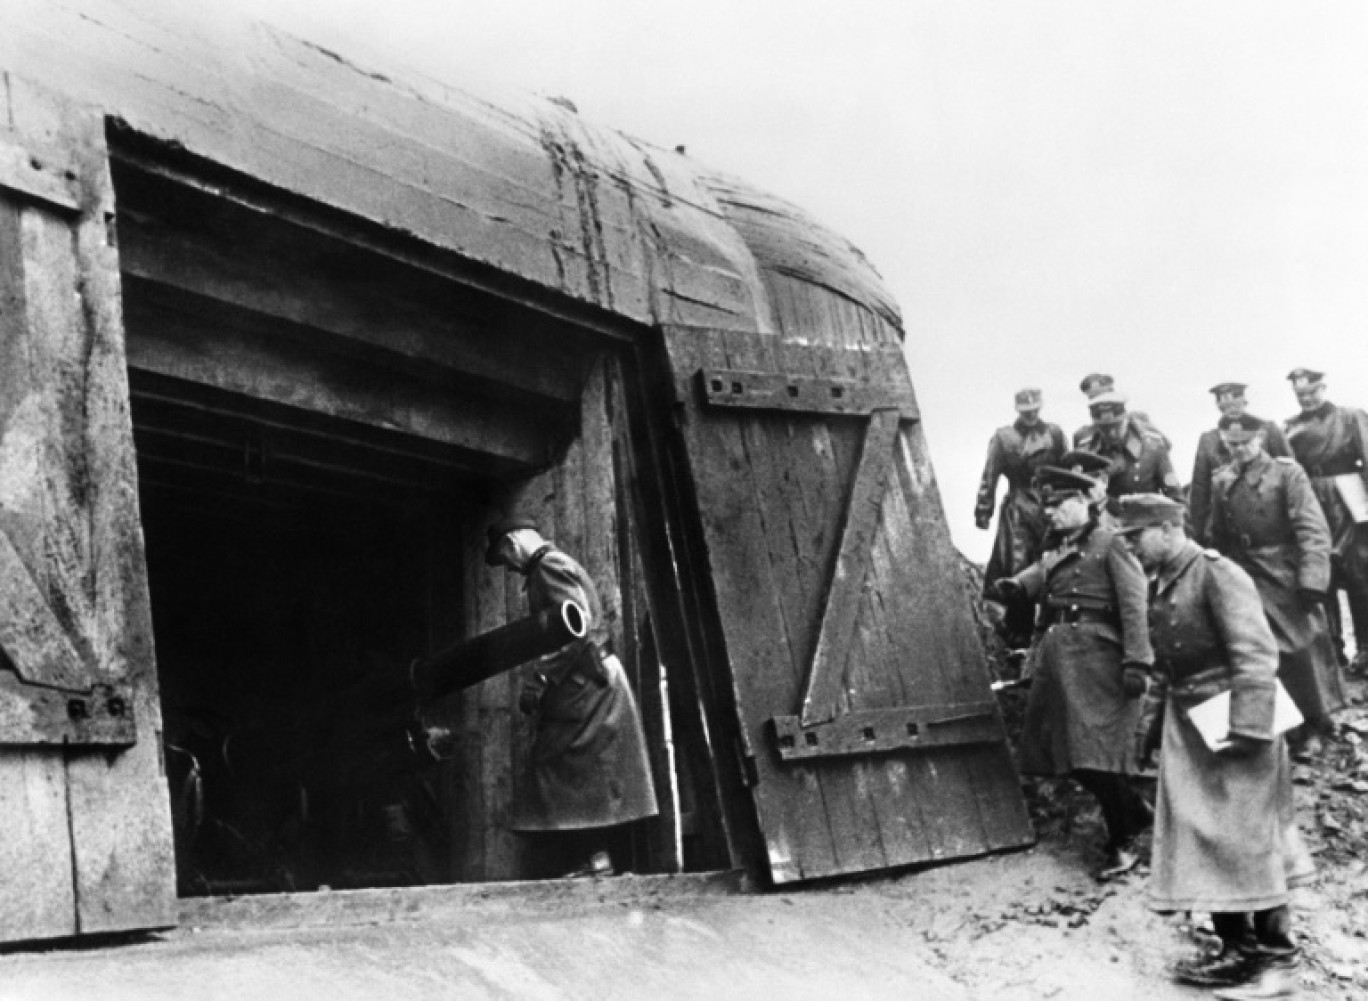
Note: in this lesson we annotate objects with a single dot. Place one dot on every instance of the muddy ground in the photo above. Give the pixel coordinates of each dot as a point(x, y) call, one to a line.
point(1332, 915)
point(1023, 926)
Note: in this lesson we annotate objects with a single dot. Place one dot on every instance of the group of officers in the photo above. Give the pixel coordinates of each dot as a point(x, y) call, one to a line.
point(1100, 558)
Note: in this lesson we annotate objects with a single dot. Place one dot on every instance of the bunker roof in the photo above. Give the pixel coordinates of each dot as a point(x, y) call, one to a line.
point(527, 186)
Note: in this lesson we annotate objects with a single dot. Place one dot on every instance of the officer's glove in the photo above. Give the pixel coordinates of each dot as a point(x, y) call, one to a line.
point(1134, 680)
point(1149, 726)
point(1309, 597)
point(1004, 590)
point(1240, 746)
point(530, 697)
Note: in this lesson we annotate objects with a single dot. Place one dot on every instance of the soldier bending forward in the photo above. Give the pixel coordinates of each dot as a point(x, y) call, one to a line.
point(589, 771)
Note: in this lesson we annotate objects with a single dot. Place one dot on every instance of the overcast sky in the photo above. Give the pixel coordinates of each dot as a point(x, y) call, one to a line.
point(1172, 192)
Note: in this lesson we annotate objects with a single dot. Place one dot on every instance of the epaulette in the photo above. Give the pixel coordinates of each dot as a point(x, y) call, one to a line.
point(1212, 554)
point(1285, 459)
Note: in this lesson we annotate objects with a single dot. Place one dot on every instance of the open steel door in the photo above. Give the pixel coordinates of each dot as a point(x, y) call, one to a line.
point(85, 832)
point(868, 723)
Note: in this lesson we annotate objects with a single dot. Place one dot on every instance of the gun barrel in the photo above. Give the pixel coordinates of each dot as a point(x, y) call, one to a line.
point(472, 661)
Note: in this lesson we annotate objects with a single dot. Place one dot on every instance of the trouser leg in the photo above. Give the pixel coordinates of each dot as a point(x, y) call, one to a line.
point(1124, 811)
point(1335, 620)
point(1273, 931)
point(1234, 928)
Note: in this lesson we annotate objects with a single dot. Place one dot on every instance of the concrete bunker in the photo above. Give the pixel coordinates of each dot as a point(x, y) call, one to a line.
point(289, 334)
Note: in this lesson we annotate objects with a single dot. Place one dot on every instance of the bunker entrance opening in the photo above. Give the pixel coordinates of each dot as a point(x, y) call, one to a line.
point(279, 584)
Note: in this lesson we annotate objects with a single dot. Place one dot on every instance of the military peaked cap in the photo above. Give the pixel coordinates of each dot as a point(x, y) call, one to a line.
point(1240, 428)
point(1095, 383)
point(1056, 484)
point(495, 533)
point(1087, 463)
point(1140, 511)
point(1247, 422)
point(1108, 407)
point(1228, 389)
point(1028, 399)
point(1308, 376)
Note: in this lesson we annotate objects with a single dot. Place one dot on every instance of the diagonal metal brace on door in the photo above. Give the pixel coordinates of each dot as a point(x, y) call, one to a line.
point(821, 730)
point(46, 694)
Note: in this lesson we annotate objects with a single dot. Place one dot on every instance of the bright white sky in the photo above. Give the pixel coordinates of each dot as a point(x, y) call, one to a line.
point(1172, 192)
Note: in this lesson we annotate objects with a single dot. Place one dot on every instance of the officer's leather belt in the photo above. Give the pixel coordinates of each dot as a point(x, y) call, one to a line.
point(1072, 614)
point(1333, 469)
point(1246, 543)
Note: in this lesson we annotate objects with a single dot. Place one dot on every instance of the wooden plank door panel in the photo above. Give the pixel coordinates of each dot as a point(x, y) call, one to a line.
point(862, 693)
point(84, 816)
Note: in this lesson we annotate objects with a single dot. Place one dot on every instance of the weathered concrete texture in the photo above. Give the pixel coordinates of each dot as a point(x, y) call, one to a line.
point(942, 935)
point(529, 188)
point(589, 943)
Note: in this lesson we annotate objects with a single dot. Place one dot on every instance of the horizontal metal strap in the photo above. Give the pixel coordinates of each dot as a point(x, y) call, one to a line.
point(38, 177)
point(804, 394)
point(875, 731)
point(33, 716)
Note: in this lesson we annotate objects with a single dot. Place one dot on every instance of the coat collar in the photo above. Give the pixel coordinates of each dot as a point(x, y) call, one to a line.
point(1319, 414)
point(1132, 442)
point(536, 558)
point(1252, 474)
point(1069, 545)
point(1177, 566)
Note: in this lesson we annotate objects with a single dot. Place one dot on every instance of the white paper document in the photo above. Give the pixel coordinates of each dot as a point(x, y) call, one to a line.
point(1212, 717)
point(1354, 495)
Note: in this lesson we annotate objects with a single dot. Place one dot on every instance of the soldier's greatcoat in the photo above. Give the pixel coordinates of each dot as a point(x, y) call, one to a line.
point(1212, 454)
point(1015, 452)
point(1225, 838)
point(589, 766)
point(1077, 715)
point(1266, 518)
point(1332, 441)
point(1139, 463)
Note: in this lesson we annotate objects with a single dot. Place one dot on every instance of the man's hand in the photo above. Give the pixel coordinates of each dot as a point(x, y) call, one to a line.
point(983, 521)
point(1004, 589)
point(1241, 746)
point(1134, 680)
point(530, 697)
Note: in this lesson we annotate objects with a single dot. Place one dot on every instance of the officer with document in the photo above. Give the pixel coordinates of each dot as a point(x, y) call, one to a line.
point(1225, 838)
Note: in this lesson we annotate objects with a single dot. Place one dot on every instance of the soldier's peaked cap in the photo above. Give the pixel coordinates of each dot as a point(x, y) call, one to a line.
point(1140, 511)
point(1087, 463)
point(495, 533)
point(1306, 375)
point(1028, 399)
point(1056, 483)
point(1107, 408)
point(1096, 382)
point(1228, 389)
point(1244, 422)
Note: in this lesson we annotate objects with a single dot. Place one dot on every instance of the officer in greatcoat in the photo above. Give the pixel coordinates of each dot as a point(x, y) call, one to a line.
point(1265, 517)
point(1138, 456)
point(1212, 453)
point(1015, 452)
point(588, 771)
point(1331, 443)
point(1094, 385)
point(1225, 838)
point(1092, 658)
